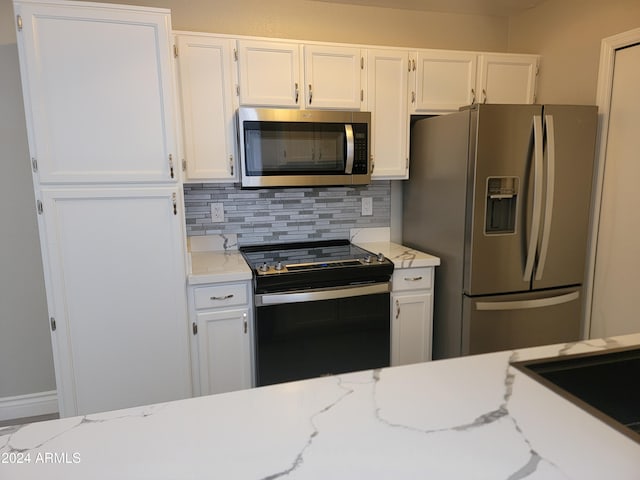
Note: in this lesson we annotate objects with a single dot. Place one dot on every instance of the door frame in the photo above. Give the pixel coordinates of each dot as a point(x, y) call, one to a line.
point(608, 49)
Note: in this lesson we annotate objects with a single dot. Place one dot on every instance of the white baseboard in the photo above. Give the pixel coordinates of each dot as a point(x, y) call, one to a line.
point(31, 405)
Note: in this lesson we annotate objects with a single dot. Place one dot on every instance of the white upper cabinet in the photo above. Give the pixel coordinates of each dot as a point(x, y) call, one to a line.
point(506, 78)
point(272, 74)
point(333, 77)
point(442, 80)
point(99, 92)
point(269, 73)
point(387, 86)
point(206, 70)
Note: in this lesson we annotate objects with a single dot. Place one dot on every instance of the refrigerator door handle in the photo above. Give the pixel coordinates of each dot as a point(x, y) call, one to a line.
point(537, 197)
point(548, 206)
point(523, 304)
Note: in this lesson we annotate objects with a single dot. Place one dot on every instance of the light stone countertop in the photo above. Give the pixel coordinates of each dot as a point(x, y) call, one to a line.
point(218, 267)
point(401, 256)
point(466, 418)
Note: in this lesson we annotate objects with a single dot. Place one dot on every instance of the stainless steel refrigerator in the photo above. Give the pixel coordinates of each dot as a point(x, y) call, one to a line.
point(502, 194)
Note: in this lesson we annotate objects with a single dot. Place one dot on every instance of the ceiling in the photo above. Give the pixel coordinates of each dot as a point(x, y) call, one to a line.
point(503, 8)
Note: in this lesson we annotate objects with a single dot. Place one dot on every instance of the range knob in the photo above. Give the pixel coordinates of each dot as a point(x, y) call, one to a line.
point(380, 257)
point(279, 266)
point(264, 267)
point(367, 259)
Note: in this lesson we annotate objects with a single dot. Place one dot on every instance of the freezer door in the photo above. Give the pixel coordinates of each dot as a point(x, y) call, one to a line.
point(501, 153)
point(570, 136)
point(507, 322)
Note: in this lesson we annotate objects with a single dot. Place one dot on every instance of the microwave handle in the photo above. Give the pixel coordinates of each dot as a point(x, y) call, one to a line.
point(348, 130)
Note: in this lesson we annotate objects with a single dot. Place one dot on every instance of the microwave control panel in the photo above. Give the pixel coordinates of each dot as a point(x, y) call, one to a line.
point(361, 149)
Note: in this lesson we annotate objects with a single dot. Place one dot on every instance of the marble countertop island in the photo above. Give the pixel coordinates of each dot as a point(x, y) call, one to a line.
point(466, 418)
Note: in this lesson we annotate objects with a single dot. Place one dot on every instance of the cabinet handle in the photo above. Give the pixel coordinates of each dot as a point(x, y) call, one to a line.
point(174, 200)
point(244, 316)
point(231, 164)
point(171, 165)
point(412, 279)
point(413, 97)
point(297, 92)
point(310, 94)
point(194, 328)
point(397, 309)
point(473, 96)
point(484, 96)
point(414, 64)
point(225, 297)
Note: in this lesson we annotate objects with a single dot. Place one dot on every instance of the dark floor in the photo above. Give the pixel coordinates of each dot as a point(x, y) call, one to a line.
point(21, 421)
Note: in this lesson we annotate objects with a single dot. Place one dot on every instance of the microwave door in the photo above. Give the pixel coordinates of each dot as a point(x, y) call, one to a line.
point(348, 131)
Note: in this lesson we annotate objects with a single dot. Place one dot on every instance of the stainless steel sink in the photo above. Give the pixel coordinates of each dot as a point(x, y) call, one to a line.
point(605, 384)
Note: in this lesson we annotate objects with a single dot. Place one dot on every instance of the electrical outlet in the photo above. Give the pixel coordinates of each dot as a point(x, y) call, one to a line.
point(367, 206)
point(217, 212)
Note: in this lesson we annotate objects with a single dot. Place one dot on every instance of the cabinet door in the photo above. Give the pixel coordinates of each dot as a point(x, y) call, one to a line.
point(444, 80)
point(269, 73)
point(224, 350)
point(115, 278)
point(205, 66)
point(411, 328)
point(507, 78)
point(332, 77)
point(387, 94)
point(98, 90)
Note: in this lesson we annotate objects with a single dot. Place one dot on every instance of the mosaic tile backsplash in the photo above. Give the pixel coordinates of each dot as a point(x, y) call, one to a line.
point(286, 214)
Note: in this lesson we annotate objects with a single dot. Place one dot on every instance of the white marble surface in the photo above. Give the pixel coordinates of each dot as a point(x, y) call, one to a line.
point(467, 418)
point(216, 267)
point(378, 240)
point(215, 259)
point(401, 256)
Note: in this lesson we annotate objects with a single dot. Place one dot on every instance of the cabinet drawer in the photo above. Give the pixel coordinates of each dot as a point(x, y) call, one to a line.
point(412, 279)
point(221, 296)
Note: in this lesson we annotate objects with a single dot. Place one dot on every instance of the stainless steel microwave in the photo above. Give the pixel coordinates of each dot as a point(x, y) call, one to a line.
point(294, 148)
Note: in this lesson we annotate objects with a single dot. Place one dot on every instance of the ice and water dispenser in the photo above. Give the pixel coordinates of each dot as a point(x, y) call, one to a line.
point(502, 199)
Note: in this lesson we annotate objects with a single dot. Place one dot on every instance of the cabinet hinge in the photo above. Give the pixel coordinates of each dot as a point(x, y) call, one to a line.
point(174, 200)
point(171, 165)
point(235, 54)
point(19, 22)
point(238, 90)
point(175, 51)
point(34, 165)
point(39, 207)
point(52, 321)
point(231, 164)
point(407, 163)
point(194, 328)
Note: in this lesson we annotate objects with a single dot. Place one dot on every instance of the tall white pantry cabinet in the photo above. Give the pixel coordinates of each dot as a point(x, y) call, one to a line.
point(99, 101)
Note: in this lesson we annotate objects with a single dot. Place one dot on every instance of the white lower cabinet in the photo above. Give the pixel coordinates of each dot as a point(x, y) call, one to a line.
point(411, 315)
point(221, 328)
point(115, 272)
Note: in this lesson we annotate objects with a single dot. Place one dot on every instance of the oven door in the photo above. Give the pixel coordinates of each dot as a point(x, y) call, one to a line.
point(309, 334)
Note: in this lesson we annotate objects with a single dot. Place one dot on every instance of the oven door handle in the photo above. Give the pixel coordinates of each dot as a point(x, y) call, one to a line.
point(320, 294)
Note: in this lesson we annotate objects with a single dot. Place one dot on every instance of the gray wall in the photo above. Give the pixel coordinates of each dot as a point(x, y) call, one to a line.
point(26, 362)
point(568, 34)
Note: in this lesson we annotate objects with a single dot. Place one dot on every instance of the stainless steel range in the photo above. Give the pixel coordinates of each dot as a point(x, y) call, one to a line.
point(322, 308)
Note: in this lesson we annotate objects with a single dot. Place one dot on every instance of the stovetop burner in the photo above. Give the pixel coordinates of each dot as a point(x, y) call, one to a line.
point(314, 264)
point(293, 257)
